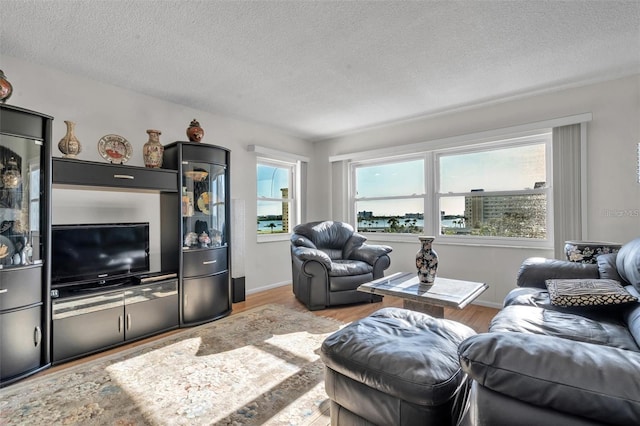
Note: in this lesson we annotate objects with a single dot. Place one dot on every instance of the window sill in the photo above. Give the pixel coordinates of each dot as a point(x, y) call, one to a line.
point(462, 241)
point(270, 238)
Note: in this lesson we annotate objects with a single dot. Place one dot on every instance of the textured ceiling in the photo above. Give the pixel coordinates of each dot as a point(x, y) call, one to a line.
point(317, 69)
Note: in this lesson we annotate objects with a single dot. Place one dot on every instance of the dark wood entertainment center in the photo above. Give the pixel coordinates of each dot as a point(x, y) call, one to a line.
point(42, 325)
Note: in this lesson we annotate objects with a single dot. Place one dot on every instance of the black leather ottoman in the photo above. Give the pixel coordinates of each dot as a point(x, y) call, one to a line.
point(395, 367)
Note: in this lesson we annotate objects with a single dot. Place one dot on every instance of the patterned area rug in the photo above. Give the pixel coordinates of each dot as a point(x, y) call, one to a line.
point(257, 367)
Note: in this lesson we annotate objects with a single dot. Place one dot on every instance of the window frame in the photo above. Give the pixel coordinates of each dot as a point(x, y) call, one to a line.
point(353, 199)
point(293, 199)
point(432, 195)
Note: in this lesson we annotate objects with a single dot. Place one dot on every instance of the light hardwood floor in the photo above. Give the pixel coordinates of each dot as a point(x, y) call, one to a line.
point(475, 316)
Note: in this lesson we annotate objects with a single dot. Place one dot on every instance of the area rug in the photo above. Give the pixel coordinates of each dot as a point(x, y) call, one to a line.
point(257, 367)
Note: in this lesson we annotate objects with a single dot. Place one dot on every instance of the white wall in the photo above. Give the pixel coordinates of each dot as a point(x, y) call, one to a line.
point(613, 206)
point(100, 109)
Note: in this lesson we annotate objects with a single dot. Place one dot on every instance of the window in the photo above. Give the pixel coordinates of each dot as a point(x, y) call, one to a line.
point(276, 193)
point(389, 196)
point(497, 191)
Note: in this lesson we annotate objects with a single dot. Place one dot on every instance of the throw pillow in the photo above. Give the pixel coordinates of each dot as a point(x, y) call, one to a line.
point(587, 292)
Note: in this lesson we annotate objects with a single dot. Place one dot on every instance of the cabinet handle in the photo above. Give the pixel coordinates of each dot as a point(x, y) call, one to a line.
point(37, 336)
point(4, 290)
point(123, 177)
point(119, 323)
point(128, 322)
point(209, 262)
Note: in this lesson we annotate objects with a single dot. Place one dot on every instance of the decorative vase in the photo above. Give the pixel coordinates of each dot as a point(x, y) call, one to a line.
point(588, 251)
point(426, 261)
point(11, 177)
point(194, 131)
point(152, 150)
point(69, 145)
point(204, 239)
point(6, 89)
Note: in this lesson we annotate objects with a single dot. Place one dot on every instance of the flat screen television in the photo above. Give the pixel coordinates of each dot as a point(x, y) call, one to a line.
point(98, 253)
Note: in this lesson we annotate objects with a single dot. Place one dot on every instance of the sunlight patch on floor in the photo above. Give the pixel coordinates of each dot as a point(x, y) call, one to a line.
point(194, 384)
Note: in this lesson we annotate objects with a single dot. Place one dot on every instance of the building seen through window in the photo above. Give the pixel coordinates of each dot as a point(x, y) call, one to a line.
point(512, 201)
point(498, 189)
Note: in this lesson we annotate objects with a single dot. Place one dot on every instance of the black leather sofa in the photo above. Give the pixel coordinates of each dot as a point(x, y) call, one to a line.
point(541, 364)
point(329, 261)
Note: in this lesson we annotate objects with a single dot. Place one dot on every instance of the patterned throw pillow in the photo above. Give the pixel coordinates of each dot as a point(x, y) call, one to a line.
point(587, 292)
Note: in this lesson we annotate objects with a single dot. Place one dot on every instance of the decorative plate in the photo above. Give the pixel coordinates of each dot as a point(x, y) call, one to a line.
point(115, 149)
point(203, 202)
point(196, 175)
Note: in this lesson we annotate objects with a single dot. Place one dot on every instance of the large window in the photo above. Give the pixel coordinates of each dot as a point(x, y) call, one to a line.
point(389, 196)
point(499, 191)
point(277, 209)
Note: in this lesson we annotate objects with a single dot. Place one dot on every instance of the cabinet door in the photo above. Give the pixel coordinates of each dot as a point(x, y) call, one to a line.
point(21, 182)
point(205, 298)
point(203, 205)
point(83, 334)
point(150, 309)
point(21, 338)
point(85, 325)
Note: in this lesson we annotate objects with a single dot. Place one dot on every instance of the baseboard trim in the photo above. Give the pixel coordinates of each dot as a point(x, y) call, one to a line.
point(487, 304)
point(268, 287)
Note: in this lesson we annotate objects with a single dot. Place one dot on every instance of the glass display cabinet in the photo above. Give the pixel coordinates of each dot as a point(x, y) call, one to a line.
point(24, 235)
point(197, 221)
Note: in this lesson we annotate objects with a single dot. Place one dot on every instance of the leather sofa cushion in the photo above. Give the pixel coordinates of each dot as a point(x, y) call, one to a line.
point(356, 240)
point(349, 282)
point(528, 296)
point(628, 263)
point(326, 234)
point(513, 412)
point(632, 316)
point(534, 271)
point(607, 267)
point(333, 254)
point(407, 354)
point(343, 268)
point(534, 320)
point(590, 381)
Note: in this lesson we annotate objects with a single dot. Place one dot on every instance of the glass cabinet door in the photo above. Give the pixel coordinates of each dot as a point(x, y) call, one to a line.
point(203, 205)
point(20, 187)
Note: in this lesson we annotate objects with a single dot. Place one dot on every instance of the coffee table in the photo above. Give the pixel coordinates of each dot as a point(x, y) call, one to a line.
point(429, 299)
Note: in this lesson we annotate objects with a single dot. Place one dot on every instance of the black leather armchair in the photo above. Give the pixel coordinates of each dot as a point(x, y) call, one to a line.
point(329, 261)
